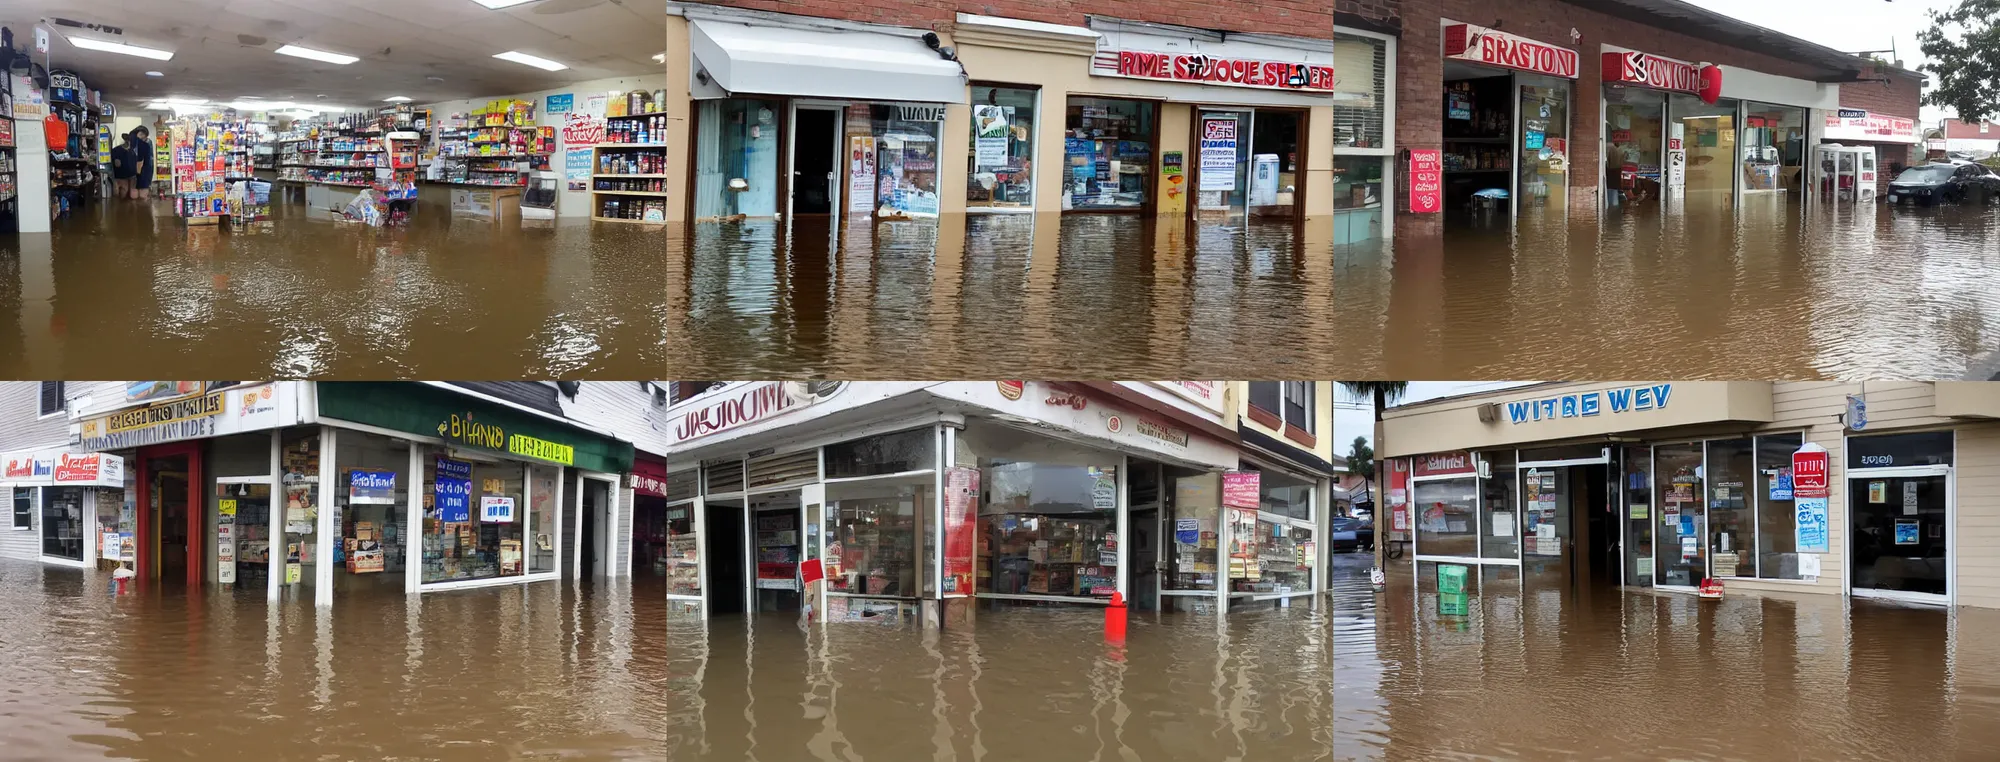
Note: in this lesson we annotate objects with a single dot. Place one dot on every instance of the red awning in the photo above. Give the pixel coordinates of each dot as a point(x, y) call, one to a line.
point(649, 475)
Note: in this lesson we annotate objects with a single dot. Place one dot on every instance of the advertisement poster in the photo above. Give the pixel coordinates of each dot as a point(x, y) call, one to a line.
point(454, 490)
point(28, 100)
point(561, 103)
point(1906, 531)
point(961, 522)
point(861, 173)
point(1240, 488)
point(993, 125)
point(582, 129)
point(371, 487)
point(496, 510)
point(1426, 181)
point(1218, 153)
point(1173, 178)
point(1187, 531)
point(577, 169)
point(1399, 495)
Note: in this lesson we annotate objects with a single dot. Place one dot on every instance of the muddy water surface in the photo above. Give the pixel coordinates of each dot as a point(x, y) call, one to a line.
point(1770, 291)
point(1603, 674)
point(551, 671)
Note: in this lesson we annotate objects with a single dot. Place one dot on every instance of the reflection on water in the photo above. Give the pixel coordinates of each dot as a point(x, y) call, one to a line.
point(604, 671)
point(1535, 673)
point(1769, 291)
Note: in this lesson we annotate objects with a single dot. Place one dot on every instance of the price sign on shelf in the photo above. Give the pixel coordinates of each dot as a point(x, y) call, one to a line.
point(1426, 181)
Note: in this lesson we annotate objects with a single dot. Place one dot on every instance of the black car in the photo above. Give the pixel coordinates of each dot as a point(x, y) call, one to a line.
point(1353, 534)
point(1945, 183)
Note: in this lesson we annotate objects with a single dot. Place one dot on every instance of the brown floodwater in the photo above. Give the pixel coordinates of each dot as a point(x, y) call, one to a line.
point(1764, 292)
point(1541, 673)
point(605, 671)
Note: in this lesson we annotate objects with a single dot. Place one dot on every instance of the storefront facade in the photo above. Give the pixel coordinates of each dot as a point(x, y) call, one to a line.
point(1580, 109)
point(60, 506)
point(1767, 487)
point(927, 501)
point(306, 490)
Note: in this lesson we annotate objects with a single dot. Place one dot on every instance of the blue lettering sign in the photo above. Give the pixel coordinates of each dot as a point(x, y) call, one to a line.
point(454, 490)
point(1811, 526)
point(376, 487)
point(1590, 404)
point(559, 104)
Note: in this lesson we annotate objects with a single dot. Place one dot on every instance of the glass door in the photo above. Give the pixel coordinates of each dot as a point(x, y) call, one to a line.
point(1542, 166)
point(1678, 556)
point(1546, 504)
point(1900, 522)
point(1223, 183)
point(1637, 508)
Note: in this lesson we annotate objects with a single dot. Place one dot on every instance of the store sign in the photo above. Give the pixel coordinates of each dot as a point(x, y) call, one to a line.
point(1444, 464)
point(1426, 181)
point(1240, 489)
point(1632, 67)
point(89, 469)
point(371, 487)
point(1853, 113)
point(205, 406)
point(1202, 68)
point(756, 403)
point(496, 510)
point(190, 418)
point(1873, 128)
point(454, 490)
point(1468, 42)
point(466, 429)
point(919, 113)
point(1589, 404)
point(1810, 489)
point(646, 484)
point(1162, 431)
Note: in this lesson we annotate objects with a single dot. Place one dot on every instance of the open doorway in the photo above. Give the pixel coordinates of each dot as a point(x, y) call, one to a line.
point(815, 154)
point(598, 539)
point(170, 512)
point(1143, 482)
point(171, 516)
point(1568, 536)
point(724, 546)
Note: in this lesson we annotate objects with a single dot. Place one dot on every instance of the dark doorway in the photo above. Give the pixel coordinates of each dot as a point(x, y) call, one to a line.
point(1599, 534)
point(815, 146)
point(1145, 526)
point(592, 501)
point(724, 540)
point(170, 490)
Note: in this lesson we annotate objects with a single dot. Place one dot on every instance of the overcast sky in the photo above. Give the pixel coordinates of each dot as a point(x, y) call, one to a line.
point(1849, 25)
point(1353, 418)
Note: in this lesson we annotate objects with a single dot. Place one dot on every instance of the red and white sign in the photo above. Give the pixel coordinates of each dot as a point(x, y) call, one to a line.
point(1444, 464)
point(648, 477)
point(1872, 128)
point(1399, 494)
point(582, 129)
point(1632, 67)
point(752, 404)
point(1242, 489)
point(1202, 68)
point(1468, 42)
point(1809, 472)
point(1426, 180)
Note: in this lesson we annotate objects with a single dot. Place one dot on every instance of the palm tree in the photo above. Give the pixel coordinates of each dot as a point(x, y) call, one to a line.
point(1383, 394)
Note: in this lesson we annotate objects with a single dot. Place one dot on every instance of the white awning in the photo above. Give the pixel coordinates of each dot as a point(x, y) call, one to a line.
point(770, 60)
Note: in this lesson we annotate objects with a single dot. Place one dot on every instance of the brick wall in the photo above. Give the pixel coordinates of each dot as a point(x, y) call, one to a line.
point(1420, 67)
point(1297, 18)
point(1380, 15)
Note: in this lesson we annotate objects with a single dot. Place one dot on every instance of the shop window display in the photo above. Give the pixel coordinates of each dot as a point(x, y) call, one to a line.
point(1774, 141)
point(1049, 529)
point(1637, 508)
point(1777, 516)
point(1108, 152)
point(896, 453)
point(1286, 552)
point(1357, 182)
point(62, 522)
point(680, 555)
point(1709, 135)
point(907, 139)
point(372, 498)
point(871, 534)
point(1679, 557)
point(1194, 520)
point(1544, 147)
point(738, 141)
point(1447, 521)
point(1502, 506)
point(473, 528)
point(1634, 135)
point(1003, 148)
point(1732, 518)
point(543, 517)
point(300, 461)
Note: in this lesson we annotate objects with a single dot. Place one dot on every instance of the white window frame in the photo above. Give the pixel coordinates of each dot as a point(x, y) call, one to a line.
point(1034, 152)
point(1950, 473)
point(1387, 151)
point(34, 510)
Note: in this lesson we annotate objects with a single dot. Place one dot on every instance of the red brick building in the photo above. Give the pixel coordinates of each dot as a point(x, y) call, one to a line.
point(1556, 108)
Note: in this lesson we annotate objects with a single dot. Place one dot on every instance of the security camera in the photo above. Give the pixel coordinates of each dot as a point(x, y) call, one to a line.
point(931, 40)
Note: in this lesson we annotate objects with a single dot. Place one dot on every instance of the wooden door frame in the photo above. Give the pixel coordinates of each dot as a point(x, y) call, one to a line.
point(196, 513)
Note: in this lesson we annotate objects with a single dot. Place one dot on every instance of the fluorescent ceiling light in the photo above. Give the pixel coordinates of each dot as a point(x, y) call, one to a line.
point(179, 101)
point(317, 55)
point(498, 4)
point(156, 74)
point(659, 58)
point(396, 99)
point(528, 60)
point(260, 105)
point(118, 47)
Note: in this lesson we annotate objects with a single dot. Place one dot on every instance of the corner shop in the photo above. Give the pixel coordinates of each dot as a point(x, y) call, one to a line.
point(927, 501)
point(235, 485)
point(1664, 484)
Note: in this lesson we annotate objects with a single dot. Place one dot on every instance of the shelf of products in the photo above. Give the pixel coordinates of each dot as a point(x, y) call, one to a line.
point(777, 551)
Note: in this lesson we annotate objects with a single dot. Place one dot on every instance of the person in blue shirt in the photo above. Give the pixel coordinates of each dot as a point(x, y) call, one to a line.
point(141, 151)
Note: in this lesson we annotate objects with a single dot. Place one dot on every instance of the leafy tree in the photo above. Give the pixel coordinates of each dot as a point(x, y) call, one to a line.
point(1963, 45)
point(1361, 459)
point(1382, 394)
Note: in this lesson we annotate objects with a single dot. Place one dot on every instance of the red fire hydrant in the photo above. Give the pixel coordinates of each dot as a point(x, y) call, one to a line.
point(1114, 619)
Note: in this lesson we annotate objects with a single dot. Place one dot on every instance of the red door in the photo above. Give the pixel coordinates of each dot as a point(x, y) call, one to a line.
point(170, 458)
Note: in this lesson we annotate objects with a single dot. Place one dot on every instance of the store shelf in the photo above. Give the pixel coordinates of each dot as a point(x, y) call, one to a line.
point(633, 177)
point(630, 193)
point(622, 219)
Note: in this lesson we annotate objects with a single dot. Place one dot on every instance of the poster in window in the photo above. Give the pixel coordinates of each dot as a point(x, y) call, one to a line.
point(961, 522)
point(1218, 153)
point(992, 127)
point(1907, 531)
point(454, 491)
point(861, 173)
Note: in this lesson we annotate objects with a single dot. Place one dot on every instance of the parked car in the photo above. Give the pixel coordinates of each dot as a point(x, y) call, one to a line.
point(1353, 534)
point(1953, 182)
